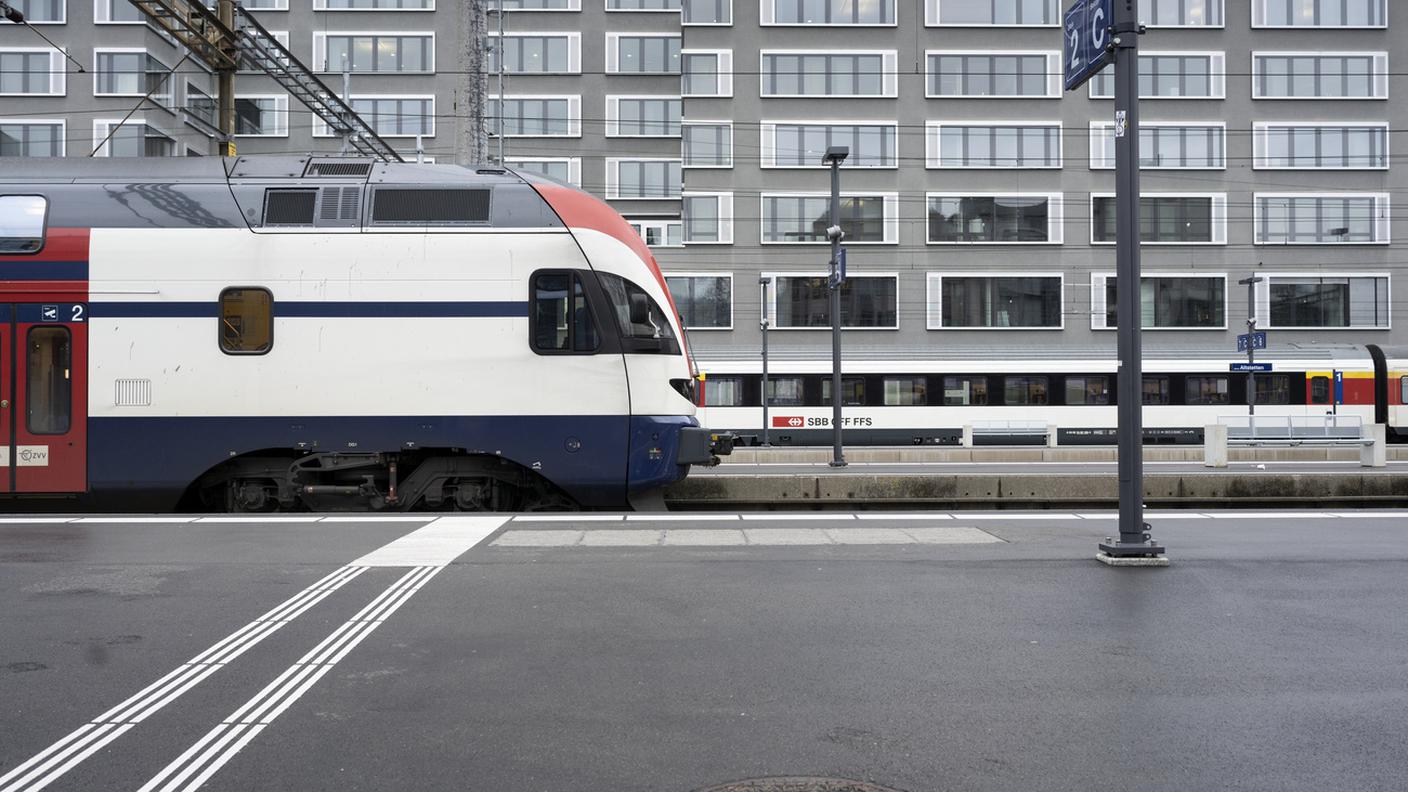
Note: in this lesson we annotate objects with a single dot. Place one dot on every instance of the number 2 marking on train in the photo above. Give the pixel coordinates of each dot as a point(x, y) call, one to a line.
point(77, 313)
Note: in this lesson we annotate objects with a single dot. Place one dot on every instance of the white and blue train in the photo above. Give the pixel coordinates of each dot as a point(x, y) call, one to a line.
point(287, 333)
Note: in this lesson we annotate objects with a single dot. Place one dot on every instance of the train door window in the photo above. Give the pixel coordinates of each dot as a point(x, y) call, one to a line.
point(644, 324)
point(1319, 390)
point(852, 391)
point(723, 392)
point(562, 318)
point(1026, 390)
point(1403, 390)
point(49, 380)
point(1207, 390)
point(22, 223)
point(965, 391)
point(785, 391)
point(246, 321)
point(1088, 390)
point(906, 391)
point(1273, 389)
point(1156, 389)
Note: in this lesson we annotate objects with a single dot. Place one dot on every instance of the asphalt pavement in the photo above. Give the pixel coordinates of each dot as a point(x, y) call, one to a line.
point(919, 651)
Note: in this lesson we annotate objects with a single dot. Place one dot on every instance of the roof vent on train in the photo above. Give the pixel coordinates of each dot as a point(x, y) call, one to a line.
point(429, 206)
point(326, 206)
point(338, 168)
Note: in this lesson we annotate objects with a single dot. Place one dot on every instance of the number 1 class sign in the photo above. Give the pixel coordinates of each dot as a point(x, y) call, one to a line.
point(1087, 49)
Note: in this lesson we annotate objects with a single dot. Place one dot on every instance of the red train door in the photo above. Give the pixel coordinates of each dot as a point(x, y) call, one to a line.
point(44, 396)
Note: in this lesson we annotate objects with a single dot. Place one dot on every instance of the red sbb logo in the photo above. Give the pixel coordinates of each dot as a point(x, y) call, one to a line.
point(788, 422)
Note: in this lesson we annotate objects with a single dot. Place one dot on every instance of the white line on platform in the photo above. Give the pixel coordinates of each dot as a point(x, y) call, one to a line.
point(999, 515)
point(436, 544)
point(258, 518)
point(89, 738)
point(376, 518)
point(228, 738)
point(887, 516)
point(569, 518)
point(701, 517)
point(1398, 515)
point(35, 520)
point(149, 520)
point(804, 517)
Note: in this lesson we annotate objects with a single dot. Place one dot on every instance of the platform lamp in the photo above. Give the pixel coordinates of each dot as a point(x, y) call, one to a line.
point(834, 156)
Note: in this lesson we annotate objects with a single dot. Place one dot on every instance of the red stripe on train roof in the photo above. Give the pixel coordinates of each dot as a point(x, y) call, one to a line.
point(582, 210)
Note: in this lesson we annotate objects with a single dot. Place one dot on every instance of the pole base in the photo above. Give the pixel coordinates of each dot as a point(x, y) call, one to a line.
point(1131, 561)
point(837, 463)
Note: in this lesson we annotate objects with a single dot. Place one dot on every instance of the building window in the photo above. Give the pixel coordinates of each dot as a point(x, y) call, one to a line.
point(1310, 75)
point(1165, 302)
point(867, 301)
point(994, 219)
point(1171, 75)
point(562, 316)
point(117, 12)
point(707, 73)
point(642, 178)
point(828, 12)
point(132, 139)
point(391, 116)
point(785, 391)
point(22, 219)
point(382, 5)
point(642, 116)
point(705, 302)
point(564, 169)
point(1181, 13)
point(965, 391)
point(659, 233)
point(707, 12)
point(1322, 219)
point(246, 321)
point(654, 54)
point(1005, 13)
point(708, 145)
point(998, 146)
point(261, 116)
point(1164, 146)
point(1328, 302)
point(25, 138)
point(375, 53)
point(642, 5)
point(537, 53)
point(852, 391)
point(1319, 13)
point(1211, 389)
point(723, 392)
point(1085, 390)
point(1166, 219)
point(32, 72)
point(538, 116)
point(708, 218)
point(805, 218)
point(963, 300)
point(1023, 390)
point(906, 391)
point(540, 5)
point(1155, 390)
point(38, 12)
point(869, 73)
point(993, 75)
point(201, 106)
point(802, 145)
point(1320, 146)
point(131, 74)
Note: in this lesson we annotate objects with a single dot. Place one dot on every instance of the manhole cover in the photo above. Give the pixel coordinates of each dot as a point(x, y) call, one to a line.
point(798, 784)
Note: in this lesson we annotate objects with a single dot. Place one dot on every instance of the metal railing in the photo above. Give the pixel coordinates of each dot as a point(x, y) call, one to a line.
point(1293, 427)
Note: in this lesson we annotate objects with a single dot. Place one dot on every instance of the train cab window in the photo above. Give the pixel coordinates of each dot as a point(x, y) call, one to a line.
point(246, 321)
point(22, 223)
point(1088, 390)
point(1026, 390)
point(1156, 389)
point(1273, 389)
point(965, 391)
point(852, 391)
point(644, 325)
point(49, 377)
point(562, 317)
point(1319, 390)
point(723, 392)
point(1207, 390)
point(785, 391)
point(906, 391)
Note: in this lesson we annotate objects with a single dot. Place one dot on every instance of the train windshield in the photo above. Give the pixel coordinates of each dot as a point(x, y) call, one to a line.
point(644, 325)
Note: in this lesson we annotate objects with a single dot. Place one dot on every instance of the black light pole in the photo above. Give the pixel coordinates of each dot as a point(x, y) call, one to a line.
point(835, 155)
point(763, 325)
point(1250, 283)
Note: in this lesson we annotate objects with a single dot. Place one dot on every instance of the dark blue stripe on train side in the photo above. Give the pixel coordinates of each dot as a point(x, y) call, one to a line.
point(310, 309)
point(43, 270)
